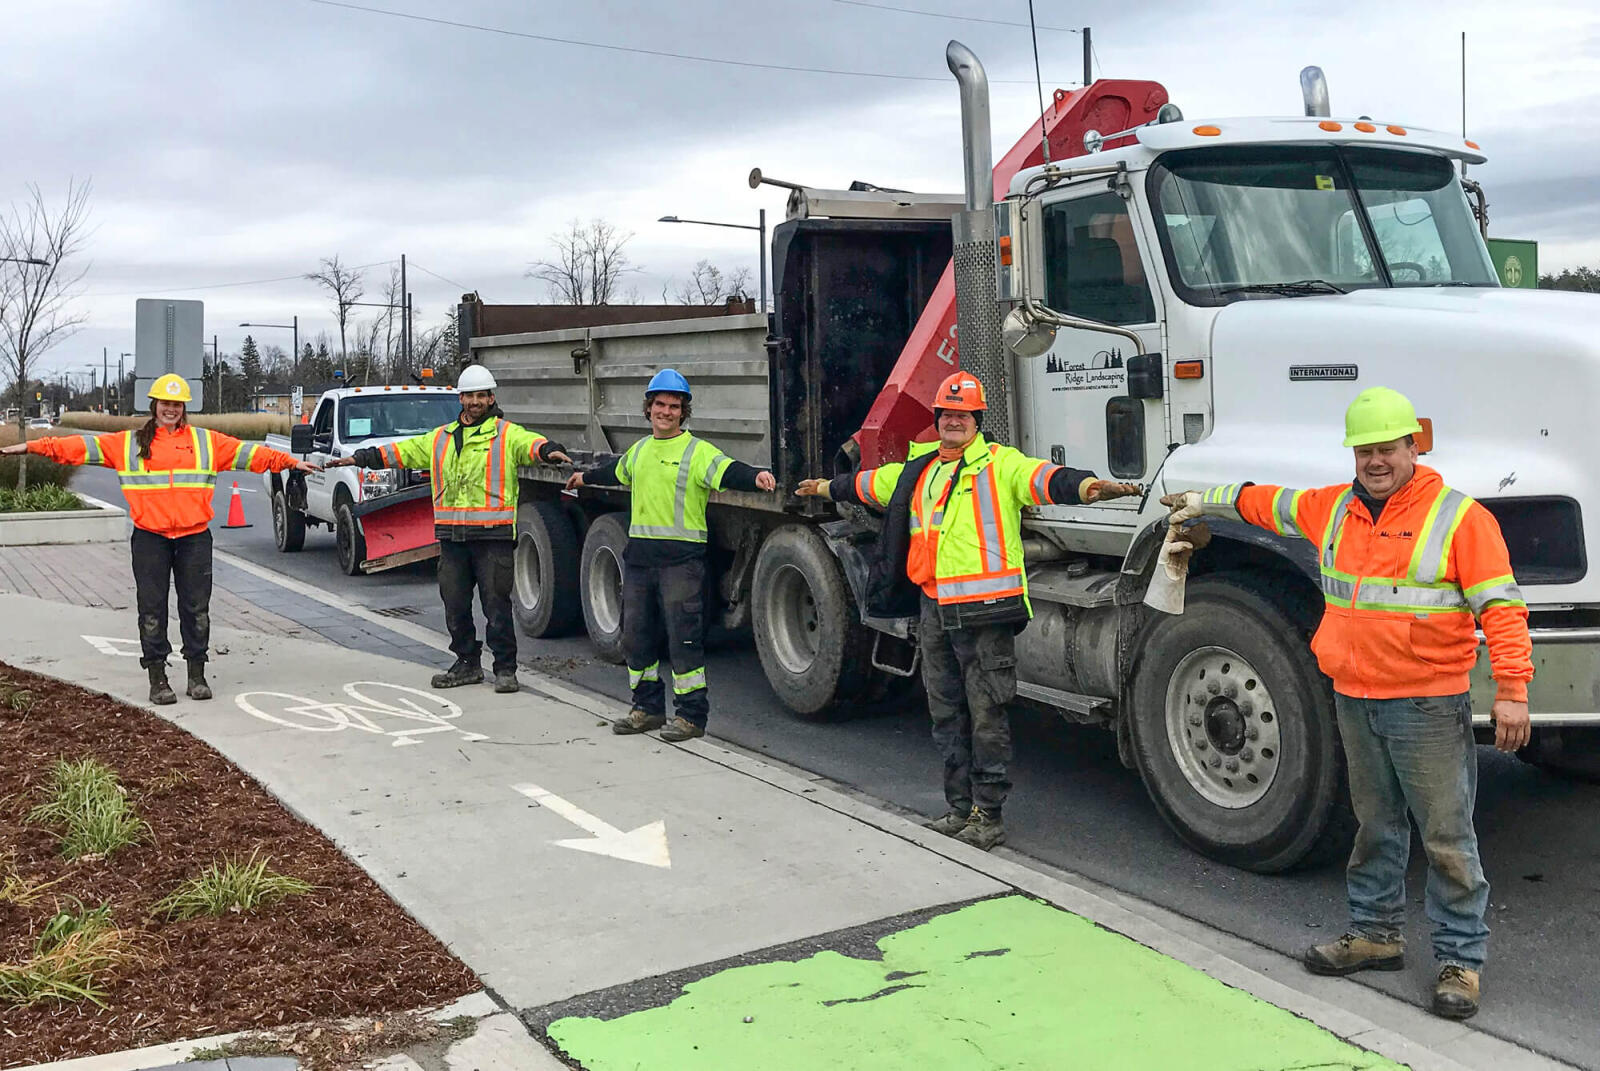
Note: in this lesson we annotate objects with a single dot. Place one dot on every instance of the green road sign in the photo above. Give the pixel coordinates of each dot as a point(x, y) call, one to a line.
point(1516, 262)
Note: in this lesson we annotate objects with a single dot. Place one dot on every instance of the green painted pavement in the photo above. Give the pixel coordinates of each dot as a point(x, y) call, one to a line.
point(1006, 983)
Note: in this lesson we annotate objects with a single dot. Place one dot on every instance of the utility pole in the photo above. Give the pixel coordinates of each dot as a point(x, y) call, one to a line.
point(405, 318)
point(408, 332)
point(1088, 54)
point(105, 365)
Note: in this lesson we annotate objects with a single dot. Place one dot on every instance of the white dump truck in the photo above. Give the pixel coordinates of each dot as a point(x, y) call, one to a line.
point(1174, 302)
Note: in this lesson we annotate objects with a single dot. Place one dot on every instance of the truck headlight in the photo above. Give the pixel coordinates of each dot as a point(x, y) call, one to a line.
point(378, 482)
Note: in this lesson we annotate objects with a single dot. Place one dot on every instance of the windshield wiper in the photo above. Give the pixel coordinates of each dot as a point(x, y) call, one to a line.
point(1296, 289)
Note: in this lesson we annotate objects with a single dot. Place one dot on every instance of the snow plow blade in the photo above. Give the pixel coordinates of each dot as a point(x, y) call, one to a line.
point(398, 529)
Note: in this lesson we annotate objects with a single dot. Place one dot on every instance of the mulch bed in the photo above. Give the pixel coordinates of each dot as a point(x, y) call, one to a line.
point(344, 949)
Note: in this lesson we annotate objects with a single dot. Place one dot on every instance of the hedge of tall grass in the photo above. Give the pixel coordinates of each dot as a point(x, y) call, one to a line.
point(247, 426)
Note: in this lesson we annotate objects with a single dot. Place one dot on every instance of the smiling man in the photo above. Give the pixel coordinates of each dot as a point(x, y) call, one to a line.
point(1406, 565)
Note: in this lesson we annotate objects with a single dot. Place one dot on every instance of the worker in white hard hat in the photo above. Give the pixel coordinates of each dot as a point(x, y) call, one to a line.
point(473, 463)
point(168, 470)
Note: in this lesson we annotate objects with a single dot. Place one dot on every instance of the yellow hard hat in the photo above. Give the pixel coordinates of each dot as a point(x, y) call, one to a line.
point(171, 388)
point(1379, 415)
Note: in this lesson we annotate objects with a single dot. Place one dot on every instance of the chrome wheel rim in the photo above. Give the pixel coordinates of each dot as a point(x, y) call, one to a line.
point(1223, 727)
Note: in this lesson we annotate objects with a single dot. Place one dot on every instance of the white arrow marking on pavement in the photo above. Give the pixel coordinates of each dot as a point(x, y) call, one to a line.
point(109, 645)
point(647, 844)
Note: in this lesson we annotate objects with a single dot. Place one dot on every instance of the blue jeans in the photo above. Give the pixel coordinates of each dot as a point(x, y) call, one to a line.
point(1415, 754)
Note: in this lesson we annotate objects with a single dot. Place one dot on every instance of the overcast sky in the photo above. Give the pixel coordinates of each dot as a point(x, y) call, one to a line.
point(232, 141)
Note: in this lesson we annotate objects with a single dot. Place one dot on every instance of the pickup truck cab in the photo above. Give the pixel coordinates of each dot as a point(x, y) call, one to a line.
point(380, 518)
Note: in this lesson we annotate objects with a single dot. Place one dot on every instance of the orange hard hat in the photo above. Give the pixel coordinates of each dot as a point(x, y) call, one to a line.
point(961, 391)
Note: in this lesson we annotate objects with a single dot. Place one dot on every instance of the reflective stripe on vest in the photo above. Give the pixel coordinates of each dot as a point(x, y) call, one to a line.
point(91, 451)
point(1283, 507)
point(1420, 591)
point(135, 477)
point(241, 460)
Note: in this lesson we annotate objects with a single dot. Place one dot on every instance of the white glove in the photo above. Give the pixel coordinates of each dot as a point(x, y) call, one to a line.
point(1185, 506)
point(1176, 550)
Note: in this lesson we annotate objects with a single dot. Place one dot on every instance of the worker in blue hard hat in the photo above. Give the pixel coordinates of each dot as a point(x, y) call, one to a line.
point(671, 474)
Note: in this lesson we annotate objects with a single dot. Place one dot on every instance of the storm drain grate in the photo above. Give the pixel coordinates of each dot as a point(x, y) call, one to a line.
point(398, 611)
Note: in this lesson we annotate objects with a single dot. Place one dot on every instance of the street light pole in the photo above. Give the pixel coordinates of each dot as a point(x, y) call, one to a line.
point(295, 327)
point(762, 252)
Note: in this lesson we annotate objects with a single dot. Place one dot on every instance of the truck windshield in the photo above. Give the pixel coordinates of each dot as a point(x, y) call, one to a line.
point(386, 416)
point(1243, 221)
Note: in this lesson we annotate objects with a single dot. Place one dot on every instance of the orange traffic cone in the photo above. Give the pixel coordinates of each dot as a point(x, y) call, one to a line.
point(236, 510)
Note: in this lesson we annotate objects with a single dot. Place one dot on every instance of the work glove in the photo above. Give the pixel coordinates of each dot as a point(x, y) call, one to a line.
point(1105, 490)
point(1176, 550)
point(1185, 506)
point(810, 488)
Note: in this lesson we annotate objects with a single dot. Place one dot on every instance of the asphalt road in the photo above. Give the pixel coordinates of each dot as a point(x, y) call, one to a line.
point(1075, 807)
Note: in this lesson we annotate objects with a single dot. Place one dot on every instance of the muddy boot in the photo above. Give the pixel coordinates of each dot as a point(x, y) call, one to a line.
point(1352, 953)
point(161, 692)
point(463, 672)
point(678, 730)
point(198, 688)
point(1456, 995)
point(638, 721)
point(506, 683)
point(983, 830)
point(952, 823)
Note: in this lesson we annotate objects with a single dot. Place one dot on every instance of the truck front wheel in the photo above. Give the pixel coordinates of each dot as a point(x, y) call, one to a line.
point(348, 539)
point(544, 593)
point(1234, 732)
point(808, 634)
point(288, 523)
point(600, 585)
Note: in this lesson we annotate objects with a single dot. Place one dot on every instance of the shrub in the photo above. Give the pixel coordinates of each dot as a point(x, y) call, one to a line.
point(40, 470)
point(229, 885)
point(38, 499)
point(74, 958)
point(90, 809)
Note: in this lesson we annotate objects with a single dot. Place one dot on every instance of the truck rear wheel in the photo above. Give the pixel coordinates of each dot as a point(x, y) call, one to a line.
point(1234, 733)
point(544, 592)
point(813, 648)
point(348, 540)
point(600, 585)
point(288, 523)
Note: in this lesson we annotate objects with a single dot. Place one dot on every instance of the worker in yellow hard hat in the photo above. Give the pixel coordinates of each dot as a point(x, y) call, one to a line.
point(1407, 563)
point(168, 470)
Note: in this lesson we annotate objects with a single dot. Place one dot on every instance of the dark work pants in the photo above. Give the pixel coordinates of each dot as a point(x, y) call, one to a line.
point(970, 674)
point(485, 565)
point(663, 613)
point(159, 564)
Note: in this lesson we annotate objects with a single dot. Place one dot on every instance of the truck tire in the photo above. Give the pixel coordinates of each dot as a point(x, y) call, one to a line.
point(544, 592)
point(347, 538)
point(288, 523)
point(813, 647)
point(1233, 730)
point(600, 585)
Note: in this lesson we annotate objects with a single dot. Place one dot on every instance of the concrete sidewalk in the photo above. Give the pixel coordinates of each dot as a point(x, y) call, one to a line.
point(623, 896)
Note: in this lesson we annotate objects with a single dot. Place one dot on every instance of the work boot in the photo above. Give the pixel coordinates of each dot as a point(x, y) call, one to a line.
point(161, 692)
point(1456, 994)
point(1352, 953)
point(198, 688)
point(464, 671)
point(680, 729)
point(506, 683)
point(952, 823)
point(638, 721)
point(983, 830)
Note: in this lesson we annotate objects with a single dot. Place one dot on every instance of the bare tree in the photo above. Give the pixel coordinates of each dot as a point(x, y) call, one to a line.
point(588, 266)
point(394, 297)
point(38, 287)
point(709, 285)
point(344, 285)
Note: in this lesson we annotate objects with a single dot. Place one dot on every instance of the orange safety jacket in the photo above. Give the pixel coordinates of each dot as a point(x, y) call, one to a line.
point(1401, 593)
point(170, 492)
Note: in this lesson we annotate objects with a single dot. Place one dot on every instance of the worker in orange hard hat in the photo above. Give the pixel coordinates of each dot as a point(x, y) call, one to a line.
point(168, 469)
point(952, 528)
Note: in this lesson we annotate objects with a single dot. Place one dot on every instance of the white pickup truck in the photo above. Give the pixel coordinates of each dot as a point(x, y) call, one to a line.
point(380, 518)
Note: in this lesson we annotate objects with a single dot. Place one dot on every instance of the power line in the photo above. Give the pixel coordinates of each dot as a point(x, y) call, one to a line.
point(461, 286)
point(223, 286)
point(650, 51)
point(959, 18)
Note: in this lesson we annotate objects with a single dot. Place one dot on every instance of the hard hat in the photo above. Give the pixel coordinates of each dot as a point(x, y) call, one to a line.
point(668, 379)
point(171, 388)
point(1379, 415)
point(475, 377)
point(961, 391)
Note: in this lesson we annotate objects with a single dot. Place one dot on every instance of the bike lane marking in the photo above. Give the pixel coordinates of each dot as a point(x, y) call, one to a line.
point(647, 844)
point(363, 713)
point(1008, 982)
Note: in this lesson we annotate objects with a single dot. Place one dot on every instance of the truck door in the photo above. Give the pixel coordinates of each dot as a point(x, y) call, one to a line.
point(1074, 402)
point(319, 485)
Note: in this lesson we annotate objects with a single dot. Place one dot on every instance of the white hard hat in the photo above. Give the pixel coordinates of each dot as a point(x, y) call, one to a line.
point(474, 377)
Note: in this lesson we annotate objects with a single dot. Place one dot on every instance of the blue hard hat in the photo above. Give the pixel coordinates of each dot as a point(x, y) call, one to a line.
point(669, 379)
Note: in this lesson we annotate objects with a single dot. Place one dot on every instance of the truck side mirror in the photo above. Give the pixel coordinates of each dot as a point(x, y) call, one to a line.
point(300, 439)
